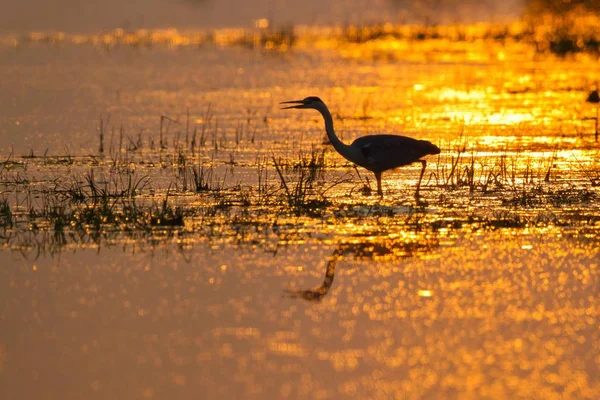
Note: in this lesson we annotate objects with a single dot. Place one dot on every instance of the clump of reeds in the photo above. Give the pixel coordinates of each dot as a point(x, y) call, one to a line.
point(298, 186)
point(203, 179)
point(280, 38)
point(365, 33)
point(564, 27)
point(6, 216)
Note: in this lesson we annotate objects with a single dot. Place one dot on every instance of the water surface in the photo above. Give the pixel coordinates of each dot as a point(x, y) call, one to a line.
point(121, 278)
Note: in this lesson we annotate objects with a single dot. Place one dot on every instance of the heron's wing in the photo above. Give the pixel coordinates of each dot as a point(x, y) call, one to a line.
point(390, 151)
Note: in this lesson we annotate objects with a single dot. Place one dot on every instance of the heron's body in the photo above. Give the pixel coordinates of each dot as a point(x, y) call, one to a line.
point(376, 153)
point(384, 152)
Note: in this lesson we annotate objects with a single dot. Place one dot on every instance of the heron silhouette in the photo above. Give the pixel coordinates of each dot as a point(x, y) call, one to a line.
point(376, 153)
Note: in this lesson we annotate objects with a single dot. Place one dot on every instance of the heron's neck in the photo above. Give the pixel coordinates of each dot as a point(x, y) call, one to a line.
point(335, 141)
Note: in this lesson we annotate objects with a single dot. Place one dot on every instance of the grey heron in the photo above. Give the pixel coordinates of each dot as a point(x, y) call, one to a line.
point(376, 153)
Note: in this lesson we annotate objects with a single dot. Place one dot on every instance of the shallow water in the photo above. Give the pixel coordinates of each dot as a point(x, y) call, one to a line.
point(487, 290)
point(501, 314)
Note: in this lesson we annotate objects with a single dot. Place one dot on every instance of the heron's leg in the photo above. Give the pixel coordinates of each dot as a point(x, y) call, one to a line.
point(423, 165)
point(378, 177)
point(360, 177)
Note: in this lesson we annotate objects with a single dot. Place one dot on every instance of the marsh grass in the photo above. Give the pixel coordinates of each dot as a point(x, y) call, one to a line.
point(563, 27)
point(560, 33)
point(539, 195)
point(278, 38)
point(457, 168)
point(6, 216)
point(299, 187)
point(204, 179)
point(190, 180)
point(181, 138)
point(567, 29)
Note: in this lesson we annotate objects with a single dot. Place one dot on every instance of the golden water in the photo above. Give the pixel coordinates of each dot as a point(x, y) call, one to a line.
point(487, 291)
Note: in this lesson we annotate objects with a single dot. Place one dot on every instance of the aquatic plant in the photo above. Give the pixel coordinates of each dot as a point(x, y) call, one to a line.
point(564, 27)
point(6, 217)
point(299, 189)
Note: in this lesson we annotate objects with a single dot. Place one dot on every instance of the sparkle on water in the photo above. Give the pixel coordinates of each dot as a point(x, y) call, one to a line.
point(181, 262)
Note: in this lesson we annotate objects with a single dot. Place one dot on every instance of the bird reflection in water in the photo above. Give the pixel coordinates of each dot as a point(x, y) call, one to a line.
point(380, 251)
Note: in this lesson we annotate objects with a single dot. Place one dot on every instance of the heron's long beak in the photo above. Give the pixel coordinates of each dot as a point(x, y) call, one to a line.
point(298, 104)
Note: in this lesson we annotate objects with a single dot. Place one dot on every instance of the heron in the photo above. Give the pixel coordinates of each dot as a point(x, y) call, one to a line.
point(376, 153)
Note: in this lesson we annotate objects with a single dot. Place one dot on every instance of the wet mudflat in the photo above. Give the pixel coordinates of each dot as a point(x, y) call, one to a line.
point(167, 232)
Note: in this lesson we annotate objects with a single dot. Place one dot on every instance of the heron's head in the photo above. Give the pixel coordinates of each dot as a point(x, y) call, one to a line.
point(309, 102)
